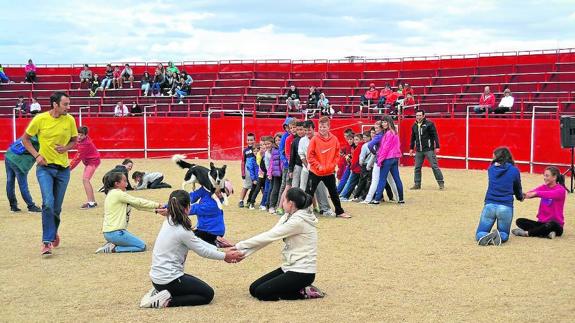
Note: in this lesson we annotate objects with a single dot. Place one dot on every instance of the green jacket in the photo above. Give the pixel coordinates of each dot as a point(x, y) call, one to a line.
point(25, 161)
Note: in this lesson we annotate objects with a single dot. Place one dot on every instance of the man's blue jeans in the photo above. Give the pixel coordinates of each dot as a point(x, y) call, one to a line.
point(14, 174)
point(495, 212)
point(53, 182)
point(125, 241)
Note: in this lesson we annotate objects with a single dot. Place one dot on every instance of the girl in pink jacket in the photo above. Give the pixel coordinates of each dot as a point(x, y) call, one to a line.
point(87, 154)
point(550, 219)
point(388, 160)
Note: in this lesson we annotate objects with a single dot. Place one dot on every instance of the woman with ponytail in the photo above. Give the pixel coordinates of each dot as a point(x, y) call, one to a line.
point(550, 218)
point(297, 228)
point(172, 287)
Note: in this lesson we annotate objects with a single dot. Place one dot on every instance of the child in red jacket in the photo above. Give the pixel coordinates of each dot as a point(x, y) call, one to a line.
point(89, 155)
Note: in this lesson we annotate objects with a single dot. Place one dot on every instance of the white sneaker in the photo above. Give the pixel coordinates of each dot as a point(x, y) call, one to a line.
point(159, 300)
point(364, 202)
point(263, 208)
point(328, 213)
point(146, 299)
point(272, 210)
point(552, 235)
point(107, 248)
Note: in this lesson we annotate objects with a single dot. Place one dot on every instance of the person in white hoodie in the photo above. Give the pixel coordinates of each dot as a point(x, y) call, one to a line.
point(173, 287)
point(298, 229)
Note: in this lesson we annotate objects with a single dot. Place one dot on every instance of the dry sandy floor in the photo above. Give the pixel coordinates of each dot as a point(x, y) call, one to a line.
point(416, 262)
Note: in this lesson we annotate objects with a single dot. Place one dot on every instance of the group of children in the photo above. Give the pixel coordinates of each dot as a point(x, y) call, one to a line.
point(295, 158)
point(366, 165)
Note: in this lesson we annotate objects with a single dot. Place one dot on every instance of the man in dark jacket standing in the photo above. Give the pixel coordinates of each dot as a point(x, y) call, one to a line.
point(425, 141)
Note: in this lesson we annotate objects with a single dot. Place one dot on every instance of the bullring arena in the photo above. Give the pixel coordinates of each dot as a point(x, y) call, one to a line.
point(414, 262)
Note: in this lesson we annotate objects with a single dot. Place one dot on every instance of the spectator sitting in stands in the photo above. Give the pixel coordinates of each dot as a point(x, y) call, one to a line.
point(3, 77)
point(35, 107)
point(94, 85)
point(146, 83)
point(408, 105)
point(313, 97)
point(182, 89)
point(159, 80)
point(400, 92)
point(486, 102)
point(173, 69)
point(170, 83)
point(370, 97)
point(136, 110)
point(108, 77)
point(22, 105)
point(117, 78)
point(121, 110)
point(161, 68)
point(323, 106)
point(85, 76)
point(383, 95)
point(127, 75)
point(391, 102)
point(406, 89)
point(30, 70)
point(292, 98)
point(188, 78)
point(506, 102)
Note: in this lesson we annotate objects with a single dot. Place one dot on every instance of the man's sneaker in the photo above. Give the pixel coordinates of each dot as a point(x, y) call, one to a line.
point(263, 208)
point(56, 241)
point(415, 187)
point(158, 300)
point(519, 232)
point(146, 298)
point(551, 235)
point(441, 185)
point(486, 239)
point(328, 213)
point(14, 209)
point(272, 210)
point(46, 249)
point(89, 205)
point(107, 248)
point(280, 212)
point(241, 204)
point(311, 292)
point(34, 209)
point(497, 238)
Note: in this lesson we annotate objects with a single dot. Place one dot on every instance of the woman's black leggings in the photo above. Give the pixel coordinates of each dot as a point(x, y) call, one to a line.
point(539, 229)
point(187, 291)
point(281, 285)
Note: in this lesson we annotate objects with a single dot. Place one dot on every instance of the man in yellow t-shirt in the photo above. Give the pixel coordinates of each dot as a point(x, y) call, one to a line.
point(57, 132)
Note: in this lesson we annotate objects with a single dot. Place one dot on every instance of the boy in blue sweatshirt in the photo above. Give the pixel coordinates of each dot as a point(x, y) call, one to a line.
point(253, 169)
point(247, 155)
point(210, 224)
point(289, 126)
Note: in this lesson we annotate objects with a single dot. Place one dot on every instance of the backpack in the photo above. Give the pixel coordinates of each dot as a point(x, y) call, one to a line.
point(17, 147)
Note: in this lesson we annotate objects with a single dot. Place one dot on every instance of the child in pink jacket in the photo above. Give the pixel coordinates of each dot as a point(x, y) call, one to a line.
point(550, 218)
point(388, 160)
point(89, 155)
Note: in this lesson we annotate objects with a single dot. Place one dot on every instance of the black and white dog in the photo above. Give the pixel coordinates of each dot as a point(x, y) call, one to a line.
point(211, 179)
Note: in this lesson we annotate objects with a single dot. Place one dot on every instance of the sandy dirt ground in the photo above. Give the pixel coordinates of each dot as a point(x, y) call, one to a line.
point(416, 262)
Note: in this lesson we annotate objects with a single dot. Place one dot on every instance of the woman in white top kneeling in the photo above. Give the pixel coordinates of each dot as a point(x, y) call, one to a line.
point(298, 229)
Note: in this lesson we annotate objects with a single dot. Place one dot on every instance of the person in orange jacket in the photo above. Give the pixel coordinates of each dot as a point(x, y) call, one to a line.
point(322, 157)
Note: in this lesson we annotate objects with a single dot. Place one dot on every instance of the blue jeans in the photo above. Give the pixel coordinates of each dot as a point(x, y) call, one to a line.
point(389, 165)
point(350, 185)
point(267, 187)
point(181, 94)
point(13, 173)
point(53, 183)
point(106, 83)
point(4, 78)
point(492, 212)
point(125, 241)
point(343, 180)
point(156, 88)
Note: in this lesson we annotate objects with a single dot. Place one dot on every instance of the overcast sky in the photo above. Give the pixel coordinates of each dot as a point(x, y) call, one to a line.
point(124, 30)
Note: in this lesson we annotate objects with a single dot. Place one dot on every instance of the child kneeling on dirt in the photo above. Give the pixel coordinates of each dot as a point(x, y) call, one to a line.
point(150, 180)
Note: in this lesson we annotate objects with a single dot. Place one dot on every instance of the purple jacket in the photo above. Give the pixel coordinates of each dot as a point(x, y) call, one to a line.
point(275, 168)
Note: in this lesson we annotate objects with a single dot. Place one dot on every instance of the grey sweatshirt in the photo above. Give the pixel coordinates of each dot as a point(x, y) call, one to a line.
point(171, 250)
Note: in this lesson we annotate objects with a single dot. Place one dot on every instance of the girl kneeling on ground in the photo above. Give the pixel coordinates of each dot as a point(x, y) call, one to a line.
point(117, 208)
point(504, 182)
point(550, 218)
point(297, 228)
point(172, 287)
